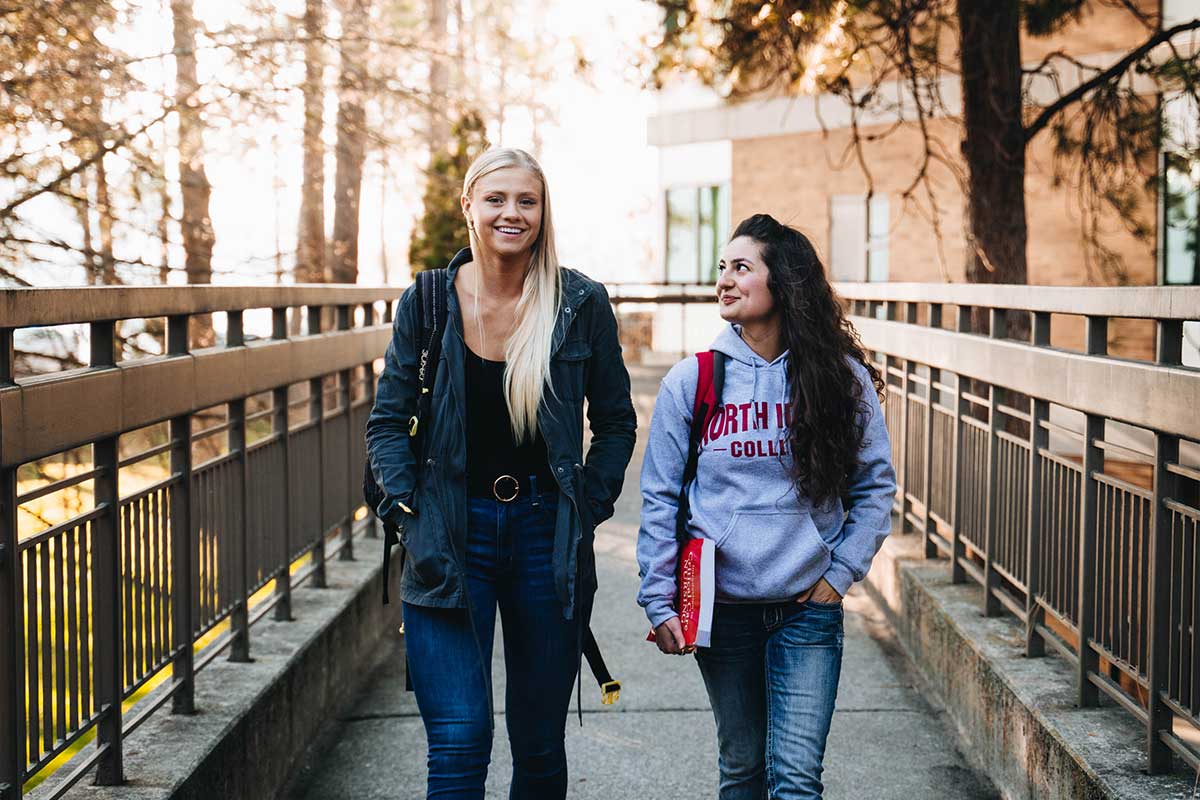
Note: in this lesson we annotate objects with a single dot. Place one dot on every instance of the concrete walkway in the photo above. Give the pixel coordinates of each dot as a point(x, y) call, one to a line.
point(886, 742)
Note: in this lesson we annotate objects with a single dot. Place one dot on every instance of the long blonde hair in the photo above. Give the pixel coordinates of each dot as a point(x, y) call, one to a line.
point(527, 351)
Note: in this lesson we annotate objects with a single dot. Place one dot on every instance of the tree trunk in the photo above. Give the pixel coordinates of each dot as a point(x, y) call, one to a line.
point(195, 223)
point(83, 210)
point(310, 248)
point(383, 190)
point(439, 78)
point(351, 142)
point(108, 269)
point(164, 234)
point(994, 141)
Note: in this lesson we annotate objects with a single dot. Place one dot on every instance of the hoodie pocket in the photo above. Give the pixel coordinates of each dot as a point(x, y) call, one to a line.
point(770, 555)
point(794, 527)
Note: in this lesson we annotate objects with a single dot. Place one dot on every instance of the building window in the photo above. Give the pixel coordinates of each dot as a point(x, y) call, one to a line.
point(1181, 194)
point(858, 238)
point(697, 227)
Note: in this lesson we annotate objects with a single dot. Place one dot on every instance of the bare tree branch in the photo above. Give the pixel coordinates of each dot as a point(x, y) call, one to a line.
point(1102, 78)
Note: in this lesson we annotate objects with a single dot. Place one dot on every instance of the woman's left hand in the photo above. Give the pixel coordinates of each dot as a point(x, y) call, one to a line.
point(820, 592)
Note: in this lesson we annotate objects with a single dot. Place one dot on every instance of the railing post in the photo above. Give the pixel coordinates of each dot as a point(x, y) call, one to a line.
point(369, 395)
point(347, 551)
point(183, 608)
point(957, 549)
point(12, 672)
point(1159, 717)
point(316, 410)
point(997, 327)
point(935, 376)
point(7, 357)
point(239, 617)
point(910, 318)
point(12, 668)
point(279, 426)
point(1039, 439)
point(1093, 461)
point(106, 584)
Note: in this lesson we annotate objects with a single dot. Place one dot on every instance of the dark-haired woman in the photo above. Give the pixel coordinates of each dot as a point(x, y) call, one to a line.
point(794, 486)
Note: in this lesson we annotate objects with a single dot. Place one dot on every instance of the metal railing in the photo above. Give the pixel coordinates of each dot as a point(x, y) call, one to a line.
point(97, 606)
point(1066, 484)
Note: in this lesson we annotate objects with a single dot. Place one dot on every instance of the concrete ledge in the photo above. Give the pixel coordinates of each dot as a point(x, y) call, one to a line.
point(1016, 717)
point(254, 721)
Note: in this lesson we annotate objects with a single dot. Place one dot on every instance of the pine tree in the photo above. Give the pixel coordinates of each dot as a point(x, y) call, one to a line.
point(441, 231)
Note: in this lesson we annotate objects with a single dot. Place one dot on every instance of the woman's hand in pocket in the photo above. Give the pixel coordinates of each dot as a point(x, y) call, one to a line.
point(669, 637)
point(821, 592)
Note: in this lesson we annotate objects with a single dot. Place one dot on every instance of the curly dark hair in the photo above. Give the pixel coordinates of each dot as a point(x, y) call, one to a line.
point(828, 415)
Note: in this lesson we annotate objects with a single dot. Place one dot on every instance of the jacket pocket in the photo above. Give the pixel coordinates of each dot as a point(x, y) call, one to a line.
point(427, 543)
point(568, 368)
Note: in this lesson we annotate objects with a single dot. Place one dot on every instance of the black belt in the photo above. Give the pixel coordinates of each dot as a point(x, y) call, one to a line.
point(507, 488)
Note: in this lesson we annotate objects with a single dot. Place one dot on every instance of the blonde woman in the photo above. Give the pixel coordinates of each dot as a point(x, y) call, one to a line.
point(498, 510)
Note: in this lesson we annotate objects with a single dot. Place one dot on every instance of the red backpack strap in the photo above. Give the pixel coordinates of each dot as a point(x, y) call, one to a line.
point(703, 408)
point(704, 383)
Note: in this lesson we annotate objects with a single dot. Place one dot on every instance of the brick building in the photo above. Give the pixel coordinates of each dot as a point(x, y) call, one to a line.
point(720, 162)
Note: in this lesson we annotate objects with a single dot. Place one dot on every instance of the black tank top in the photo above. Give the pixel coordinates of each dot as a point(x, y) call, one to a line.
point(491, 451)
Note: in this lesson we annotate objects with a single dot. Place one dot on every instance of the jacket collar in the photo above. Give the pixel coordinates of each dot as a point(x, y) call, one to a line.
point(574, 287)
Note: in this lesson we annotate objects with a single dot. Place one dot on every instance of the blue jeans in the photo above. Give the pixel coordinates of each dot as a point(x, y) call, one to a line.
point(508, 565)
point(772, 677)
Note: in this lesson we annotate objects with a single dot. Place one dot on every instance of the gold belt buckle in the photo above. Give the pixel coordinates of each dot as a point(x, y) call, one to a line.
point(500, 484)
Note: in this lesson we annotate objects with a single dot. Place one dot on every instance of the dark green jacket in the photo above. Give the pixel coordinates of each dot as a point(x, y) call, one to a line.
point(585, 363)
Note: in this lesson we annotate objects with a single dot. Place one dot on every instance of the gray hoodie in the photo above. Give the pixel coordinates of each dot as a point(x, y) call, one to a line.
point(772, 544)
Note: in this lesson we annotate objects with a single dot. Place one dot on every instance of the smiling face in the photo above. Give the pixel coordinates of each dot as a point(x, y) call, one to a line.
point(505, 209)
point(742, 291)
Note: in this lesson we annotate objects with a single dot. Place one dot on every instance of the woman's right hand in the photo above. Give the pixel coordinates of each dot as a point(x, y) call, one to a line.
point(669, 637)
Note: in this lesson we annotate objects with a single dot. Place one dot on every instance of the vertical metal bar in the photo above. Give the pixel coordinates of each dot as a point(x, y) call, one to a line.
point(46, 647)
point(1159, 717)
point(997, 328)
point(239, 648)
point(60, 634)
point(957, 549)
point(1096, 336)
point(12, 674)
point(1169, 344)
point(32, 723)
point(316, 406)
point(102, 343)
point(1093, 462)
point(279, 399)
point(7, 362)
point(1039, 438)
point(902, 467)
point(86, 643)
point(124, 557)
point(136, 567)
point(106, 602)
point(347, 551)
point(72, 567)
point(369, 399)
point(183, 609)
point(935, 376)
point(239, 619)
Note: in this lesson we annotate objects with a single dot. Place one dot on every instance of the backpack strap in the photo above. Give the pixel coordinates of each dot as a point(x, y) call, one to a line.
point(709, 383)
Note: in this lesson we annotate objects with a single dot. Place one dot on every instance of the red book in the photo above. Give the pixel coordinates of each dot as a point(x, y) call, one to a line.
point(695, 579)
